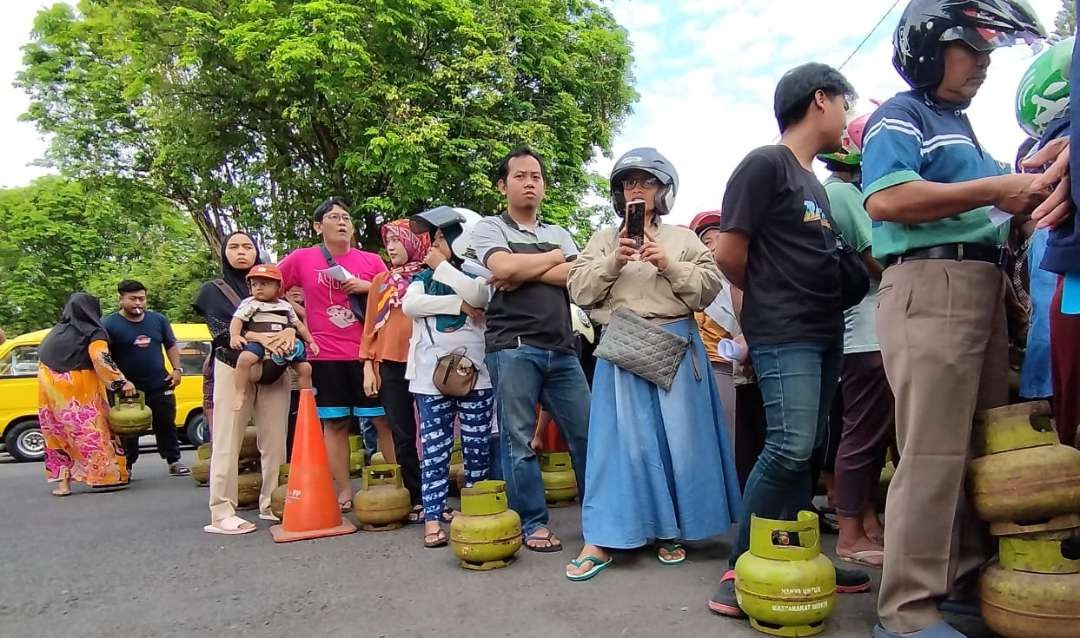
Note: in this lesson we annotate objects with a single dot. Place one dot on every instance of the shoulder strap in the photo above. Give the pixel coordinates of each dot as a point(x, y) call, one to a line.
point(327, 256)
point(229, 293)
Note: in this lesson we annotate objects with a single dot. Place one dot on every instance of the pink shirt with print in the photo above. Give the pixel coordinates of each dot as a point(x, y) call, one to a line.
point(329, 317)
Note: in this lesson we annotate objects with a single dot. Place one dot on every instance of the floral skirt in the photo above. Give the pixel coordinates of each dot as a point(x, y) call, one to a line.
point(73, 413)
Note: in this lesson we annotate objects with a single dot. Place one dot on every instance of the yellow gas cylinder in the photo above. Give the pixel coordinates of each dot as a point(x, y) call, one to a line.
point(1026, 486)
point(248, 486)
point(249, 447)
point(200, 469)
point(487, 533)
point(1027, 605)
point(560, 483)
point(356, 455)
point(129, 416)
point(784, 584)
point(1013, 427)
point(277, 497)
point(382, 503)
point(457, 467)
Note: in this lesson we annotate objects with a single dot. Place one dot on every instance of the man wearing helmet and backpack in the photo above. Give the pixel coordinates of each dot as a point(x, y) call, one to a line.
point(930, 188)
point(661, 467)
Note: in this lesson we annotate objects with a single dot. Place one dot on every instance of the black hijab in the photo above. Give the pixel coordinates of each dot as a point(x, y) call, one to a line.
point(211, 302)
point(67, 346)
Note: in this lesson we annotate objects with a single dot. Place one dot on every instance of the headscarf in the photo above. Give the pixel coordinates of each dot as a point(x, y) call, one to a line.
point(416, 250)
point(67, 346)
point(217, 309)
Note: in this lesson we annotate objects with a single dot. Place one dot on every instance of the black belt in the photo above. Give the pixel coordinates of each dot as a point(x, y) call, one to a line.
point(957, 252)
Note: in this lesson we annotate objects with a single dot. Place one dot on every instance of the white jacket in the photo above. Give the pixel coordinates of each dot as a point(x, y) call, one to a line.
point(427, 344)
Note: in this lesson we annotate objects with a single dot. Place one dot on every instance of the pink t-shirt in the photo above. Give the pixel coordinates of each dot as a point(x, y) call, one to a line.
point(329, 317)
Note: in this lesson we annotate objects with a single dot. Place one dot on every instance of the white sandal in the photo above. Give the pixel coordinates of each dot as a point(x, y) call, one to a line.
point(231, 526)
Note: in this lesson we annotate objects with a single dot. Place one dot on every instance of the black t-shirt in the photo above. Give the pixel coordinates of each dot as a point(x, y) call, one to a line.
point(792, 273)
point(136, 346)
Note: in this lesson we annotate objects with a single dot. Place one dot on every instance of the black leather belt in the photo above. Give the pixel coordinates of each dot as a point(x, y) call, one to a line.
point(957, 252)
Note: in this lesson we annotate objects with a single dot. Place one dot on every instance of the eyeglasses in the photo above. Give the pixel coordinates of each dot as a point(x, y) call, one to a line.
point(337, 217)
point(633, 182)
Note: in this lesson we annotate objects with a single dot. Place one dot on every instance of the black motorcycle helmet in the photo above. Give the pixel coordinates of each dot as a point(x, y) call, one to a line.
point(984, 25)
point(652, 162)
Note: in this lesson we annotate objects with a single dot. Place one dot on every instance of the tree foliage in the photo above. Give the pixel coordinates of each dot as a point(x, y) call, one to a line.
point(61, 236)
point(1065, 22)
point(248, 112)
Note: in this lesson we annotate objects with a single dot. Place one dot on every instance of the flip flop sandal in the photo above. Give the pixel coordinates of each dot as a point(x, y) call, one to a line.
point(268, 516)
point(448, 516)
point(553, 544)
point(874, 558)
point(231, 526)
point(61, 493)
point(345, 507)
point(597, 567)
point(670, 548)
point(416, 516)
point(440, 539)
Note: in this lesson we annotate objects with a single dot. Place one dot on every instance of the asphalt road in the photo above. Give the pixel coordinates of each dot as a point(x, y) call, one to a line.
point(137, 563)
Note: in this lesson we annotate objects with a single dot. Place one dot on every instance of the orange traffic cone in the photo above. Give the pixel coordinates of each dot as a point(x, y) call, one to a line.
point(311, 506)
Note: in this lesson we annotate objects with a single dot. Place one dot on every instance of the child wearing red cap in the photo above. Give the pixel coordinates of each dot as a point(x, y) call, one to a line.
point(265, 312)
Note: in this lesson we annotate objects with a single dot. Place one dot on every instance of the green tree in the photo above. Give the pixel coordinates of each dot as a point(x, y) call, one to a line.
point(62, 236)
point(1065, 22)
point(248, 112)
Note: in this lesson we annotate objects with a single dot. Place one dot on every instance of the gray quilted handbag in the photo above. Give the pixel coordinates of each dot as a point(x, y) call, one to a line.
point(642, 348)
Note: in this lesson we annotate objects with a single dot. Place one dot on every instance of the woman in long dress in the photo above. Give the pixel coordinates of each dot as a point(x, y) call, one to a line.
point(74, 371)
point(660, 463)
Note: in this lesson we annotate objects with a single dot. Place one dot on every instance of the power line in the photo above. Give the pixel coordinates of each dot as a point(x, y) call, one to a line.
point(868, 35)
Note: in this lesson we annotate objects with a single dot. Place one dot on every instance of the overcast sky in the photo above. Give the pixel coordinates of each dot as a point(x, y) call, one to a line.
point(705, 70)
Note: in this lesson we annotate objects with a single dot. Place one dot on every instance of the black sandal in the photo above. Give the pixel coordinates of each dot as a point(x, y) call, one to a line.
point(416, 516)
point(448, 516)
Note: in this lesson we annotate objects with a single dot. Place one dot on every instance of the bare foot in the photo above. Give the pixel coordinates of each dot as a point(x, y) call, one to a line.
point(543, 540)
point(875, 531)
point(861, 550)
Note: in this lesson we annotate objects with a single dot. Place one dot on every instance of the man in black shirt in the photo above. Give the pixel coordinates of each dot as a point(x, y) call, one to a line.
point(136, 338)
point(777, 245)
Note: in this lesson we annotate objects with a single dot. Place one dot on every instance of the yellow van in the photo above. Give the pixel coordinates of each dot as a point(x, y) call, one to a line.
point(19, 429)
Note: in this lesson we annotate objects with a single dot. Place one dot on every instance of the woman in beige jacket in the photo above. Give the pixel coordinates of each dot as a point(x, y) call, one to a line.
point(660, 465)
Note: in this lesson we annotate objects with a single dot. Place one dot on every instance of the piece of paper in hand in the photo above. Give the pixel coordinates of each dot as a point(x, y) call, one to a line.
point(338, 273)
point(998, 216)
point(1070, 294)
point(731, 350)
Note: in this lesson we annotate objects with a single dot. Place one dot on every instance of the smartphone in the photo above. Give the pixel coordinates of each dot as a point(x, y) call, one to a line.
point(635, 221)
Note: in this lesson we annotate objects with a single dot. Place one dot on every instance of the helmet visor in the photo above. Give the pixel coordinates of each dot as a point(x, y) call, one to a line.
point(987, 39)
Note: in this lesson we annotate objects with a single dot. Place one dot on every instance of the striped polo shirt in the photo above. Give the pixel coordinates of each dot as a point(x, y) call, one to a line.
point(913, 137)
point(535, 314)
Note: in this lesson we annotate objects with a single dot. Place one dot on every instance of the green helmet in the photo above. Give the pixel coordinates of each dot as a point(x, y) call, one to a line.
point(1043, 94)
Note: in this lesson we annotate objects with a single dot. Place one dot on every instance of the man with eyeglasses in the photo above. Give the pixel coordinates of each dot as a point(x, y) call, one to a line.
point(335, 278)
point(776, 243)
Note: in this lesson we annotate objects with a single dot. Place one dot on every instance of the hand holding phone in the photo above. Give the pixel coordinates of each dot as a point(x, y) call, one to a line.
point(635, 221)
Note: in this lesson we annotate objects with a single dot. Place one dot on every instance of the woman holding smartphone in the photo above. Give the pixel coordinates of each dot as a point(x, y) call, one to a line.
point(660, 465)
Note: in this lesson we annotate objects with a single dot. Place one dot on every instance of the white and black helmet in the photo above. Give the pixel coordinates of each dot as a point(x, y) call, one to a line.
point(456, 223)
point(652, 162)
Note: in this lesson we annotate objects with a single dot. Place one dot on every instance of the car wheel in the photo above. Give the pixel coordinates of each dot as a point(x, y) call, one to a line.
point(25, 442)
point(198, 430)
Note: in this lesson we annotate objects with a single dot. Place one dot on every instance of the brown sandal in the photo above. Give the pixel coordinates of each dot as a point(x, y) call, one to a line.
point(436, 539)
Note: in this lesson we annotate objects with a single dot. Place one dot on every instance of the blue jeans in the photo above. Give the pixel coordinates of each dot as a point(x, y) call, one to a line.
point(523, 377)
point(797, 381)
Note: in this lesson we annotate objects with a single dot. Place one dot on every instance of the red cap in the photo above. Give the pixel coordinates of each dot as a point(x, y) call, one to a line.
point(265, 271)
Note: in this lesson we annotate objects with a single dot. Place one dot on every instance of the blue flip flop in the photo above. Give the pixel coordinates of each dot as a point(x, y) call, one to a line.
point(598, 566)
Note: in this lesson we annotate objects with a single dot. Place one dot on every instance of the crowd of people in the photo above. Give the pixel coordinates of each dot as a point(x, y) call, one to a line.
point(790, 339)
